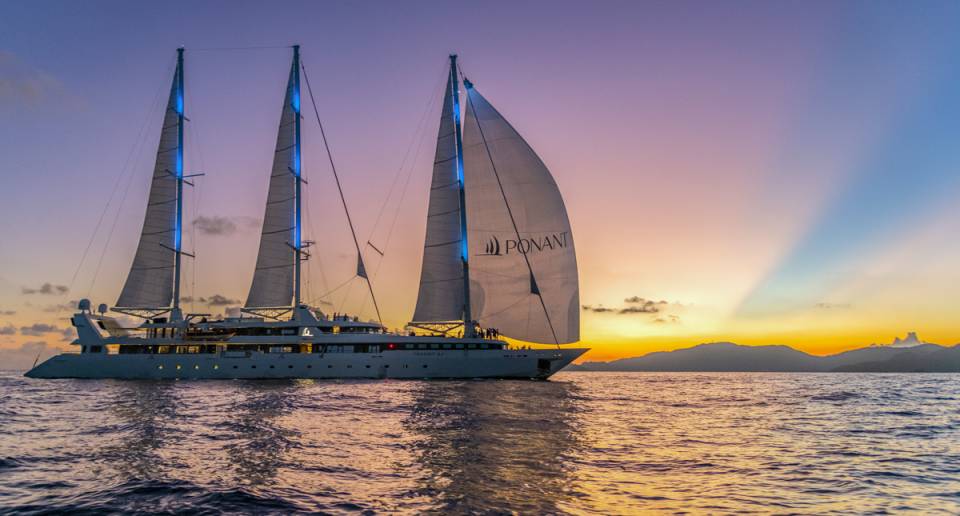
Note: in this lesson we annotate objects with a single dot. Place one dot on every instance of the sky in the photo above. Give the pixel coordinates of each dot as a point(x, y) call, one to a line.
point(756, 172)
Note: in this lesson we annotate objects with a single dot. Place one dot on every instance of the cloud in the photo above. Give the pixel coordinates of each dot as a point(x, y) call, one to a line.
point(62, 307)
point(647, 308)
point(8, 312)
point(38, 329)
point(46, 289)
point(217, 225)
point(22, 84)
point(636, 305)
point(833, 306)
point(24, 356)
point(232, 311)
point(667, 318)
point(643, 301)
point(69, 333)
point(9, 329)
point(597, 309)
point(218, 300)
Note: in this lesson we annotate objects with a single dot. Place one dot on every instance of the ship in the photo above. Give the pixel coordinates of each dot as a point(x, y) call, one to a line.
point(498, 263)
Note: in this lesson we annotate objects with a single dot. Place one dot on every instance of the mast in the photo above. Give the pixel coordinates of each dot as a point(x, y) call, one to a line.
point(468, 329)
point(297, 243)
point(175, 313)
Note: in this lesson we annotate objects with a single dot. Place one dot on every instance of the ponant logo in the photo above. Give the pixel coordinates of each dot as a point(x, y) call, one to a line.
point(494, 247)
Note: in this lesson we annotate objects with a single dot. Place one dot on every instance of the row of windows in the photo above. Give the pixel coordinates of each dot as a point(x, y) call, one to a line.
point(309, 366)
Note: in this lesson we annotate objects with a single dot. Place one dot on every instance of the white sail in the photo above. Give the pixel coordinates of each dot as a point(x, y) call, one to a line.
point(441, 277)
point(274, 275)
point(150, 282)
point(523, 267)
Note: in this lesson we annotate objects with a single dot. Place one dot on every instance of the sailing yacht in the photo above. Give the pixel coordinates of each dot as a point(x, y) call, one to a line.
point(498, 260)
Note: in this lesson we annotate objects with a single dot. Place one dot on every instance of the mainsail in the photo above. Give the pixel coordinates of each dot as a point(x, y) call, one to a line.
point(523, 267)
point(151, 278)
point(273, 279)
point(441, 296)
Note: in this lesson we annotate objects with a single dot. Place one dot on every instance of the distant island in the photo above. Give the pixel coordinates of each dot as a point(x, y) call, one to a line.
point(902, 356)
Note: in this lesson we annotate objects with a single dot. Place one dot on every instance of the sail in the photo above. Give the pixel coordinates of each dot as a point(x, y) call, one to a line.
point(273, 278)
point(523, 267)
point(441, 277)
point(150, 282)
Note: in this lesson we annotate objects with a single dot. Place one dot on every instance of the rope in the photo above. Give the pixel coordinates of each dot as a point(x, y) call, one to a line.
point(343, 199)
point(138, 143)
point(418, 140)
point(219, 49)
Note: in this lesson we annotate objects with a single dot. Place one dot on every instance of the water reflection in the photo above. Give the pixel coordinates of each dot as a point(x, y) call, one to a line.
point(261, 444)
point(144, 413)
point(485, 446)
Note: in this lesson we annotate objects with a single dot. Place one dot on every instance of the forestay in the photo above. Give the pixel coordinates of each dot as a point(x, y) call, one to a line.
point(441, 279)
point(274, 275)
point(150, 282)
point(523, 267)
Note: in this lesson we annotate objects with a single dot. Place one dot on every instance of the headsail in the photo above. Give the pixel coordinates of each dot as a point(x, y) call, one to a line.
point(441, 296)
point(523, 267)
point(151, 278)
point(273, 279)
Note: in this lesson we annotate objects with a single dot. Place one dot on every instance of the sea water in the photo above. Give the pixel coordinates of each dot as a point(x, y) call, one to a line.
point(580, 443)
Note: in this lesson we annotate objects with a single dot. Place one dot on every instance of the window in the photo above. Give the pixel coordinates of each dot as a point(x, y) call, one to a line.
point(271, 367)
point(289, 367)
point(330, 366)
point(309, 366)
point(368, 366)
point(424, 366)
point(234, 367)
point(253, 367)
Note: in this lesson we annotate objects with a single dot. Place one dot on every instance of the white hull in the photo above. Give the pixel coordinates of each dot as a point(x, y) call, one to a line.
point(409, 364)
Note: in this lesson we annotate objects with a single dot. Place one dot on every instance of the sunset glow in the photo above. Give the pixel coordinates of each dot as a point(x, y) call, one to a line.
point(784, 176)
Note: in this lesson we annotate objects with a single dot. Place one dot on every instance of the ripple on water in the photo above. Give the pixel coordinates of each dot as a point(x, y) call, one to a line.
point(585, 442)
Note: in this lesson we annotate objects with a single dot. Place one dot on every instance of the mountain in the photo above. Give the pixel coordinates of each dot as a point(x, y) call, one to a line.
point(915, 356)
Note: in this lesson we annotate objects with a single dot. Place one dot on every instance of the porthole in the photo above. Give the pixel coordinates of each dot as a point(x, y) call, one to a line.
point(178, 367)
point(330, 366)
point(215, 366)
point(309, 367)
point(424, 366)
point(196, 366)
point(235, 367)
point(253, 367)
point(349, 367)
point(271, 367)
point(368, 366)
point(160, 366)
point(289, 367)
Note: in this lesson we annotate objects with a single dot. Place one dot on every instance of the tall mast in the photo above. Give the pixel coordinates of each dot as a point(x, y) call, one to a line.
point(468, 329)
point(297, 244)
point(175, 314)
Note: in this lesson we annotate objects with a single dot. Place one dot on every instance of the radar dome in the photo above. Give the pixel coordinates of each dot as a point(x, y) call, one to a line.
point(84, 305)
point(102, 309)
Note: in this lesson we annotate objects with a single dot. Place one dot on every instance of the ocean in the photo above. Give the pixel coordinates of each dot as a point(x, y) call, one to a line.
point(580, 443)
